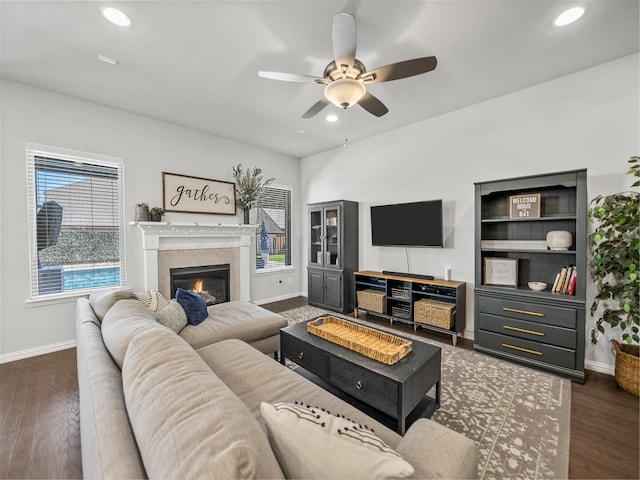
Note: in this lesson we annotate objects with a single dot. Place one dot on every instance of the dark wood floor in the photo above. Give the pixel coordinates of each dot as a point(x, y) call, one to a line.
point(40, 436)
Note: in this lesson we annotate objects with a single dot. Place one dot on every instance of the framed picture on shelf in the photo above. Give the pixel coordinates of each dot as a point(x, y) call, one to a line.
point(500, 272)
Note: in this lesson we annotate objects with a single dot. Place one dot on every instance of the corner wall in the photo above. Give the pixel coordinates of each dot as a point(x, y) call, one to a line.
point(148, 147)
point(588, 119)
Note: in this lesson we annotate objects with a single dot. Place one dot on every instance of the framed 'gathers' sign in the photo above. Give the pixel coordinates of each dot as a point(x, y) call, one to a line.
point(182, 193)
point(525, 206)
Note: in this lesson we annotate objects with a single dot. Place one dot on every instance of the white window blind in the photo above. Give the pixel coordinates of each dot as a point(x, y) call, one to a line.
point(273, 237)
point(76, 222)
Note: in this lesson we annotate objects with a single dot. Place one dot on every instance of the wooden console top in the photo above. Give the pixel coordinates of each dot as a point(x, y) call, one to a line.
point(437, 281)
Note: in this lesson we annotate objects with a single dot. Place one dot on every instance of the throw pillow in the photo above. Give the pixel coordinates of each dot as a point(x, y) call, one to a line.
point(153, 300)
point(172, 316)
point(194, 306)
point(310, 442)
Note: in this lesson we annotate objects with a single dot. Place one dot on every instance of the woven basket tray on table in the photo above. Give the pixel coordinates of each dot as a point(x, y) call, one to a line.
point(380, 346)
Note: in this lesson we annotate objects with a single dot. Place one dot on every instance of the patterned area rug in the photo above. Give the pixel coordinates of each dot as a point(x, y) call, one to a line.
point(519, 417)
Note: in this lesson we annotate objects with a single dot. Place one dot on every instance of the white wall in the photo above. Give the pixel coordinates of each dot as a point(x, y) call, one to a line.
point(585, 120)
point(149, 147)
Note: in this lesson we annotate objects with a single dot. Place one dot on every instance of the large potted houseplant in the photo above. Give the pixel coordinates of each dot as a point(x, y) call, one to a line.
point(615, 268)
point(250, 185)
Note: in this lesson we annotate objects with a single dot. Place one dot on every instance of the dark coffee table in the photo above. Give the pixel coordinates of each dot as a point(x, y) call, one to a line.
point(396, 390)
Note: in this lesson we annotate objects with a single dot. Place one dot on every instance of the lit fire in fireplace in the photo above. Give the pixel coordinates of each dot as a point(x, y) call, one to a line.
point(197, 287)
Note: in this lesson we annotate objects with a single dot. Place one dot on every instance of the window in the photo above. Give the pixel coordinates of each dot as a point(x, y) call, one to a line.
point(273, 237)
point(76, 222)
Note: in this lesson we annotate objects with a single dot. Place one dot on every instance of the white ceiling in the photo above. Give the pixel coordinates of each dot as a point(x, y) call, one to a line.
point(195, 63)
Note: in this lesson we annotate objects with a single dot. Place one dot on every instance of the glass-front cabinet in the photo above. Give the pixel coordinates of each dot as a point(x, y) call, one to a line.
point(326, 230)
point(333, 254)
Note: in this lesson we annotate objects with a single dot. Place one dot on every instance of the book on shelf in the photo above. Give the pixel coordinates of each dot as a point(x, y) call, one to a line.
point(565, 281)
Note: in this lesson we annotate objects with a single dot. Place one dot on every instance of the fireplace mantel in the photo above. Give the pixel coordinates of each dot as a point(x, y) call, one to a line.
point(158, 236)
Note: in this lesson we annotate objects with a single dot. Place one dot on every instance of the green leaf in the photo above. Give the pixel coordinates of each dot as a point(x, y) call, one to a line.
point(632, 276)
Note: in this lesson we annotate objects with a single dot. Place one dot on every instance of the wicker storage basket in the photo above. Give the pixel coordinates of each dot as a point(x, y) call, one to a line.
point(380, 346)
point(627, 367)
point(372, 300)
point(434, 312)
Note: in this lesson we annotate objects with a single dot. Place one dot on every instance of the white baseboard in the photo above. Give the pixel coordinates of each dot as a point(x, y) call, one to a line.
point(34, 352)
point(600, 367)
point(279, 298)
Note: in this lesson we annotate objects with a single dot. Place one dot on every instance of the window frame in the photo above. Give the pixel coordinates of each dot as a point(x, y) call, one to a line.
point(275, 270)
point(32, 151)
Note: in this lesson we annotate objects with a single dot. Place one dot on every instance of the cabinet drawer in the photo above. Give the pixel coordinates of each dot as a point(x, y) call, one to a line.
point(541, 352)
point(531, 311)
point(537, 332)
point(373, 389)
point(305, 355)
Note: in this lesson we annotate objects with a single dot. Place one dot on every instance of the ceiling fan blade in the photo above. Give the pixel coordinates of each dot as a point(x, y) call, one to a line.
point(372, 105)
point(395, 71)
point(292, 77)
point(316, 108)
point(344, 41)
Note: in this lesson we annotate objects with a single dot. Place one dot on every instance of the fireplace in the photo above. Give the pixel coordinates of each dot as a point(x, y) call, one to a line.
point(210, 281)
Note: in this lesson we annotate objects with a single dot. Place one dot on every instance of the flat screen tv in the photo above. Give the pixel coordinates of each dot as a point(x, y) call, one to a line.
point(417, 224)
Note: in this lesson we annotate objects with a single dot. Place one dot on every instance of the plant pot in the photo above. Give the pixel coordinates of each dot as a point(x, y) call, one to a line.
point(156, 218)
point(245, 214)
point(627, 367)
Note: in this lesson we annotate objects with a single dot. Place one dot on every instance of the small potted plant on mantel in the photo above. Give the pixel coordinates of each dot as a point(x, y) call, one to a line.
point(155, 214)
point(250, 185)
point(615, 267)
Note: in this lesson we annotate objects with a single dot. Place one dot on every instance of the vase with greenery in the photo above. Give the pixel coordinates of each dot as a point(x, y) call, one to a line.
point(155, 214)
point(250, 185)
point(615, 266)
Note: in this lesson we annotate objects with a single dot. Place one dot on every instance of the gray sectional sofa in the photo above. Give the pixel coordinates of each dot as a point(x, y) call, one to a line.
point(155, 404)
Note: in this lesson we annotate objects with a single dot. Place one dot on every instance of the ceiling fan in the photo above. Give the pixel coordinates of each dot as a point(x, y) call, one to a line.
point(345, 78)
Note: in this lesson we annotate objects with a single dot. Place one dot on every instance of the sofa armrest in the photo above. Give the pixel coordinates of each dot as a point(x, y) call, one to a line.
point(436, 451)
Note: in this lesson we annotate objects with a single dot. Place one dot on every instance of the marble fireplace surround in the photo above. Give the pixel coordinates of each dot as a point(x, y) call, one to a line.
point(169, 245)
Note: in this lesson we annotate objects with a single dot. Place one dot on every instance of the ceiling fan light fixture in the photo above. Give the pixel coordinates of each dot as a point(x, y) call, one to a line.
point(569, 16)
point(345, 92)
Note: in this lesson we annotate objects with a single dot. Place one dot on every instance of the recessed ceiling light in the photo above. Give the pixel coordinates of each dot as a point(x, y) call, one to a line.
point(569, 16)
point(116, 16)
point(331, 118)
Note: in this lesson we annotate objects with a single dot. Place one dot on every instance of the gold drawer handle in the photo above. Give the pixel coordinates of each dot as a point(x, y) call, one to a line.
point(532, 332)
point(535, 314)
point(301, 355)
point(535, 352)
point(359, 385)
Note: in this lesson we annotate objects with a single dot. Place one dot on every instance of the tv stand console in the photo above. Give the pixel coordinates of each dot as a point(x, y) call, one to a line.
point(394, 297)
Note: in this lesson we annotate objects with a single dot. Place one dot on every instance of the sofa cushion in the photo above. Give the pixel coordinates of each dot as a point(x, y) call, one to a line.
point(153, 300)
point(239, 319)
point(172, 316)
point(102, 300)
point(256, 378)
point(436, 451)
point(194, 306)
point(187, 422)
point(310, 442)
point(122, 322)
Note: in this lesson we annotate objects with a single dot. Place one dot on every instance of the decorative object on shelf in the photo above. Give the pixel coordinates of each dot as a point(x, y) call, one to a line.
point(537, 286)
point(524, 206)
point(142, 212)
point(250, 185)
point(501, 272)
point(514, 244)
point(614, 267)
point(155, 214)
point(559, 240)
point(183, 193)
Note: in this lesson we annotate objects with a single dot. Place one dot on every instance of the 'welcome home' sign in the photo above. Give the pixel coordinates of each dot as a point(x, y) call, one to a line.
point(182, 193)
